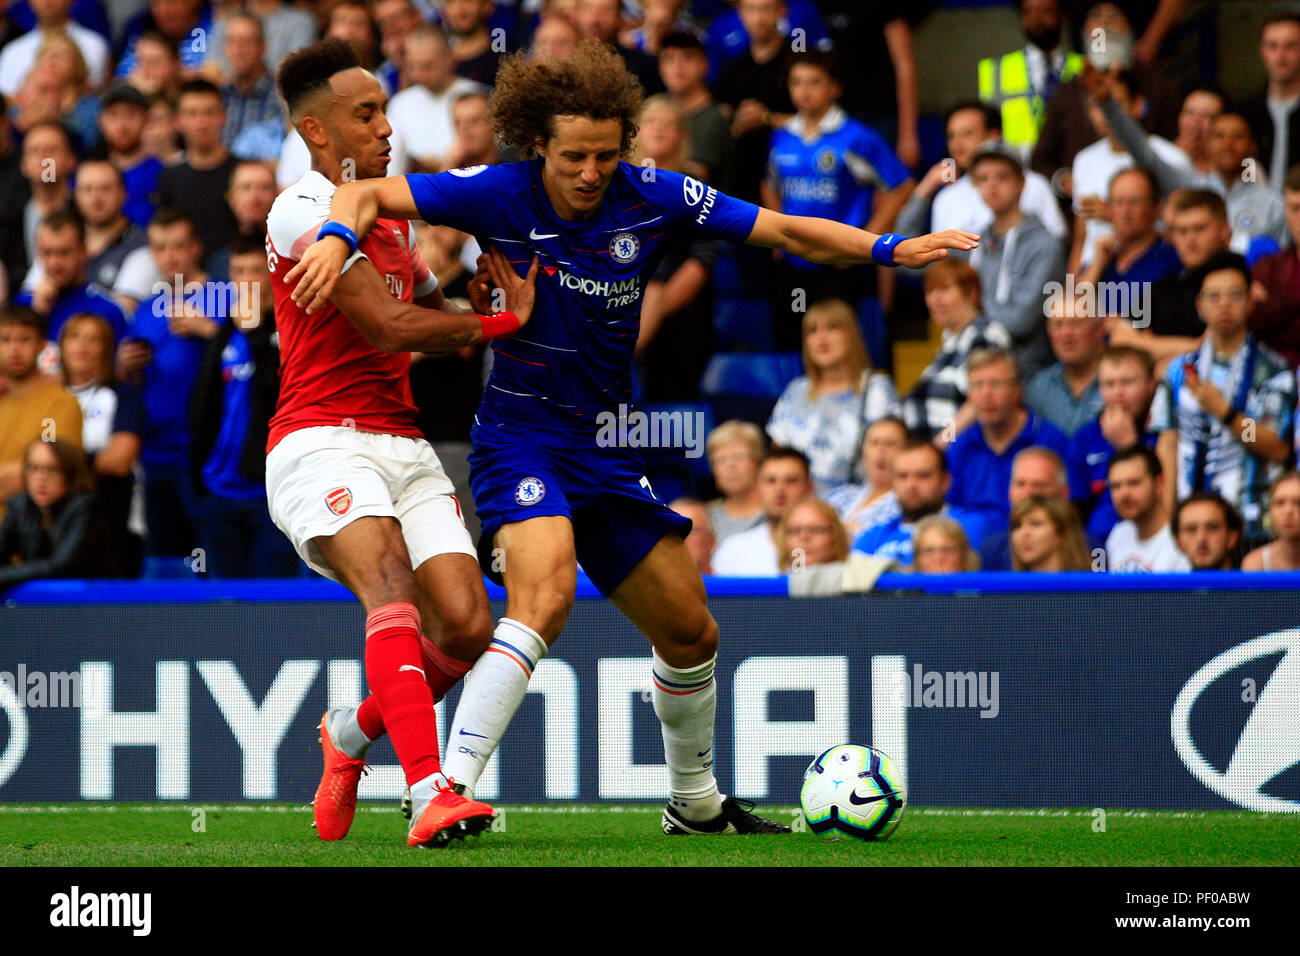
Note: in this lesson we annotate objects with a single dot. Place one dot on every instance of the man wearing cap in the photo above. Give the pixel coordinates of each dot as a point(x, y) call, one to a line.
point(123, 113)
point(1017, 256)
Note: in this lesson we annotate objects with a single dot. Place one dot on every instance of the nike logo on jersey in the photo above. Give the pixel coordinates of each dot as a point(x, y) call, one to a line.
point(410, 667)
point(533, 234)
point(466, 733)
point(1097, 458)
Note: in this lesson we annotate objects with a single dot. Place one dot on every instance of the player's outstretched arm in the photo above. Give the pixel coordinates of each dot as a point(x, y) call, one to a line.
point(355, 206)
point(834, 243)
point(390, 325)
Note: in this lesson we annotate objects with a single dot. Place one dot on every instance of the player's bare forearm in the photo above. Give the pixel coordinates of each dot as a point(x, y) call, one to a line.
point(359, 203)
point(834, 243)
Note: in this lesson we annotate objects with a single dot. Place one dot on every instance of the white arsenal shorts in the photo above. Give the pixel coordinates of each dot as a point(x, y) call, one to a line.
point(320, 479)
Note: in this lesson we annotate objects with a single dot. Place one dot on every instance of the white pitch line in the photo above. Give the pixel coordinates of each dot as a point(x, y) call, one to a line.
point(620, 808)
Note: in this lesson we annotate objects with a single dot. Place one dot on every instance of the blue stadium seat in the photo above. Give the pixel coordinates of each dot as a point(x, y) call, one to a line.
point(672, 471)
point(743, 375)
point(727, 282)
point(743, 324)
point(747, 386)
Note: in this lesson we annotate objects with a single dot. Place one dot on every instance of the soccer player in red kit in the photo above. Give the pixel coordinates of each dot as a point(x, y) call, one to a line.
point(350, 478)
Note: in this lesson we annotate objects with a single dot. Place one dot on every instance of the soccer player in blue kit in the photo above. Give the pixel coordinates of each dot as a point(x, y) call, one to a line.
point(548, 494)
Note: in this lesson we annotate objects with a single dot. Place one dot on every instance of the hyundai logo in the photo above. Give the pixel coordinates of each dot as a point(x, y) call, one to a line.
point(692, 191)
point(1269, 741)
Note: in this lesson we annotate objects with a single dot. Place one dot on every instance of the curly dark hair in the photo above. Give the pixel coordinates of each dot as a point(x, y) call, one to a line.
point(592, 82)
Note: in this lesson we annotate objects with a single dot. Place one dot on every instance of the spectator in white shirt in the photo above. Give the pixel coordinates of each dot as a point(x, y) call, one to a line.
point(950, 197)
point(1142, 540)
point(19, 56)
point(783, 479)
point(421, 113)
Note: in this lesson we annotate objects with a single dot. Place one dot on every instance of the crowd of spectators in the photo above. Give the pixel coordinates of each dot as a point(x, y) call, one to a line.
point(1113, 386)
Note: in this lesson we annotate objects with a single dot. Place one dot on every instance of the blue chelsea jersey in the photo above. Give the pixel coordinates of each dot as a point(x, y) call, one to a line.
point(831, 172)
point(573, 359)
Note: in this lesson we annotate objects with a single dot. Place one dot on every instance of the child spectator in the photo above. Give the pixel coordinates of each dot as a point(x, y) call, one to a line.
point(826, 164)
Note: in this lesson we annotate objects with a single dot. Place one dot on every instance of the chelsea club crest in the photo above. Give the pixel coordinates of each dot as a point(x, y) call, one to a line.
point(530, 491)
point(624, 247)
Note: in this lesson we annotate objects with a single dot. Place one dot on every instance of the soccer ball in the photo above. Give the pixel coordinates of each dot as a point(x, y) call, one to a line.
point(852, 792)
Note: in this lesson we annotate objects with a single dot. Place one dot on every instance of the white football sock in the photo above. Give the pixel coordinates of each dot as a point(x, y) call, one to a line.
point(493, 690)
point(346, 732)
point(685, 700)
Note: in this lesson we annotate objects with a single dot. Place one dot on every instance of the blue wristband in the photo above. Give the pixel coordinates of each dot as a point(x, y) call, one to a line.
point(332, 228)
point(882, 251)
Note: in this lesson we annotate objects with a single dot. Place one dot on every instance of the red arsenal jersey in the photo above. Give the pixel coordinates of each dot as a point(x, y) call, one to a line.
point(329, 373)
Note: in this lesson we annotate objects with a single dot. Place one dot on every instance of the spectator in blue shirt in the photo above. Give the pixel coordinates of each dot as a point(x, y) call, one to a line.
point(921, 482)
point(163, 353)
point(981, 456)
point(826, 164)
point(1065, 393)
point(1127, 383)
point(234, 397)
point(1134, 254)
point(62, 290)
point(187, 24)
point(727, 37)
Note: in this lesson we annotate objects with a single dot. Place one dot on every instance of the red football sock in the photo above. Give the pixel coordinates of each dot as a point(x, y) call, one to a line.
point(369, 719)
point(441, 671)
point(397, 681)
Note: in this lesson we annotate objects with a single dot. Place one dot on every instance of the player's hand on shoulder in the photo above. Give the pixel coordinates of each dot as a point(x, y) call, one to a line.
point(921, 251)
point(519, 293)
point(313, 278)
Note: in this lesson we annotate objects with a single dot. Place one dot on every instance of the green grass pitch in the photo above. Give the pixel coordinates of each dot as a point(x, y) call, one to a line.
point(281, 835)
